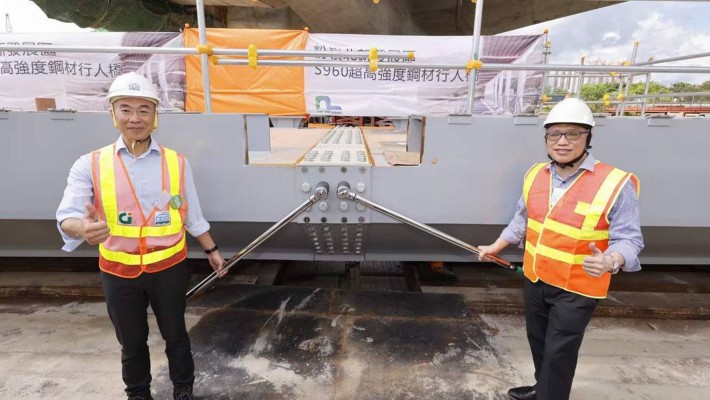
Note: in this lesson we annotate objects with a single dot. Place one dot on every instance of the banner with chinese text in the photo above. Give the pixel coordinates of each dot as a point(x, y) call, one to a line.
point(403, 91)
point(80, 81)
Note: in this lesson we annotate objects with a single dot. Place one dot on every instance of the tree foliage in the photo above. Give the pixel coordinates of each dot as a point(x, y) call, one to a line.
point(596, 91)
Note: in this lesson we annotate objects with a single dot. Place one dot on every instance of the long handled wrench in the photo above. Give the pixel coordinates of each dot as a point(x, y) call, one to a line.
point(321, 193)
point(344, 192)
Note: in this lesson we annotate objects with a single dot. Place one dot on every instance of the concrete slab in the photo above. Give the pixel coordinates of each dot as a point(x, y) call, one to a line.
point(258, 342)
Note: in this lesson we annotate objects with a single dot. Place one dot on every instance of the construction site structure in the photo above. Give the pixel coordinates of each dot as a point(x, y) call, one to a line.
point(456, 175)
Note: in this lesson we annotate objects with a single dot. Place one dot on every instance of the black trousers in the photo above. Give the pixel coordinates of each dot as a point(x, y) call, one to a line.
point(127, 302)
point(555, 320)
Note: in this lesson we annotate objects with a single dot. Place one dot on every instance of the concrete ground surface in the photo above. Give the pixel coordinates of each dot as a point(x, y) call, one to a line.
point(253, 342)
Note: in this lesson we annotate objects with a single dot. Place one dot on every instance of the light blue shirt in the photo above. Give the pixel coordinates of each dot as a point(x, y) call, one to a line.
point(625, 235)
point(146, 176)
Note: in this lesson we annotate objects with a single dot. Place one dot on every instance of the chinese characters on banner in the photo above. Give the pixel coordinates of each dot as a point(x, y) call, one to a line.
point(404, 91)
point(80, 81)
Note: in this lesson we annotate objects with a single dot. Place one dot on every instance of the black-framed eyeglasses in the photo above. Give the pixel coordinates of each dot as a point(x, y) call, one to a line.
point(554, 136)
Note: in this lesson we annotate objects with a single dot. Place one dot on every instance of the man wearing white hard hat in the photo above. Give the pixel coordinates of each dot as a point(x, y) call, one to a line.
point(135, 199)
point(578, 221)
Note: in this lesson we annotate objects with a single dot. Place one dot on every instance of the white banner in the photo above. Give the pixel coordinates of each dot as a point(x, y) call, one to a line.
point(80, 81)
point(402, 92)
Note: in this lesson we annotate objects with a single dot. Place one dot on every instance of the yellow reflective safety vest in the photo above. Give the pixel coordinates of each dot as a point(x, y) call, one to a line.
point(558, 237)
point(138, 243)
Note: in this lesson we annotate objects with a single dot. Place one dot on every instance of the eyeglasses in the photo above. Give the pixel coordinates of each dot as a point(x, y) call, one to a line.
point(141, 112)
point(554, 136)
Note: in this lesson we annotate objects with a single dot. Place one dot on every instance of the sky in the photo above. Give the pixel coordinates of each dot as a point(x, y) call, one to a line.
point(663, 28)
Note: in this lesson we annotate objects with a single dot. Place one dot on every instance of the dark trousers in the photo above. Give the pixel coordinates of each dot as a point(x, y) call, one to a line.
point(555, 320)
point(127, 303)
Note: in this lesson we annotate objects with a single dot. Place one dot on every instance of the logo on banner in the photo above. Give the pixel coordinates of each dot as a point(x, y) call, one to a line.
point(125, 218)
point(162, 218)
point(323, 105)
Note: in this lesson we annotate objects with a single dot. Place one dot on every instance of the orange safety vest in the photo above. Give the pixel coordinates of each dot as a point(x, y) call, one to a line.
point(137, 243)
point(558, 237)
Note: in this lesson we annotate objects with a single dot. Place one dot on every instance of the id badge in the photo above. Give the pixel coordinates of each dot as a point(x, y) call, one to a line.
point(162, 201)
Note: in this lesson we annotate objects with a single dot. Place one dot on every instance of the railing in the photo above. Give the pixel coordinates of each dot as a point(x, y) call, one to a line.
point(249, 57)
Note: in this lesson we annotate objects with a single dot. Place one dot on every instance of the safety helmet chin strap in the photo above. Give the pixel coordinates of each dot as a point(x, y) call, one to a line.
point(568, 164)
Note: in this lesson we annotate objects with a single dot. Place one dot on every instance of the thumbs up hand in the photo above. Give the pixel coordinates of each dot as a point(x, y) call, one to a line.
point(95, 231)
point(596, 264)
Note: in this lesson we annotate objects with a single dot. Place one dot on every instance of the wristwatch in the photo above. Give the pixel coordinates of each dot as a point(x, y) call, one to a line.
point(615, 265)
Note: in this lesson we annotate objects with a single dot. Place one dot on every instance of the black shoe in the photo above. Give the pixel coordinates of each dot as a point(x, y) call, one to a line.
point(522, 393)
point(146, 396)
point(183, 393)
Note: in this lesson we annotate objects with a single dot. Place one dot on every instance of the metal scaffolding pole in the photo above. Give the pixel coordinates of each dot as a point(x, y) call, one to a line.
point(487, 67)
point(580, 80)
point(101, 49)
point(646, 89)
point(629, 78)
point(313, 63)
point(545, 58)
point(680, 94)
point(472, 80)
point(204, 58)
point(354, 55)
point(346, 55)
point(651, 61)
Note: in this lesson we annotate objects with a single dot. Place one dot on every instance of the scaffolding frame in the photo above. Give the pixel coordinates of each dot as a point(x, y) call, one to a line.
point(208, 54)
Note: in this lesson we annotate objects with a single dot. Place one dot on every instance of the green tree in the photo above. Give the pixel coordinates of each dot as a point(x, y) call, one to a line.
point(595, 91)
point(704, 87)
point(653, 88)
point(683, 87)
point(557, 92)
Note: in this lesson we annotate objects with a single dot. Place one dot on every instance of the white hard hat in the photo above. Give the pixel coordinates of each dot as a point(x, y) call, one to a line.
point(132, 84)
point(570, 111)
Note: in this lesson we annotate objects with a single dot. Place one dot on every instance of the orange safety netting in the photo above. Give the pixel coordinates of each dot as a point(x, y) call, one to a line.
point(272, 90)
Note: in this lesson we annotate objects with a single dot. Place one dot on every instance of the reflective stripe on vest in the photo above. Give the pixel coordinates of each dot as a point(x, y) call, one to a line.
point(132, 249)
point(108, 195)
point(558, 237)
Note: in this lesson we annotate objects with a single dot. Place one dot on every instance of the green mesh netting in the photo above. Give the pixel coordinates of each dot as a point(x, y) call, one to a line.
point(123, 15)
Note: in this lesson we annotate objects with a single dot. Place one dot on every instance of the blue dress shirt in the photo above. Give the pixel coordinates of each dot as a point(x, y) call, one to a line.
point(625, 235)
point(146, 176)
